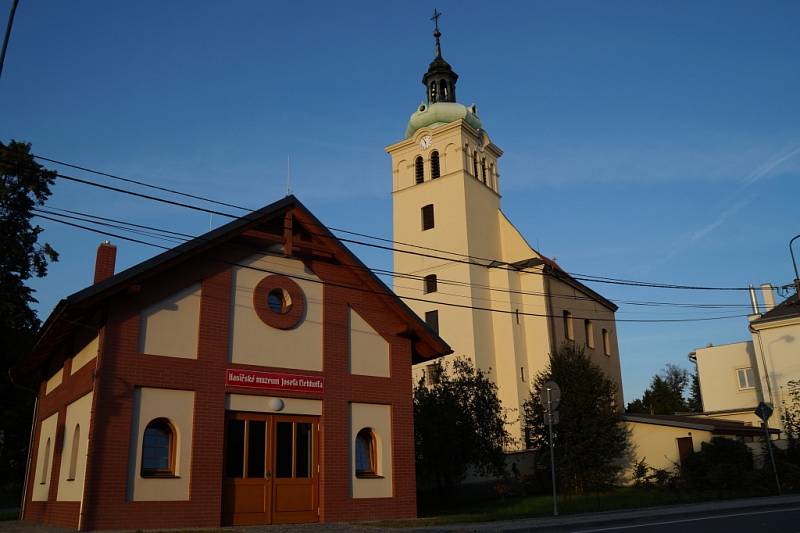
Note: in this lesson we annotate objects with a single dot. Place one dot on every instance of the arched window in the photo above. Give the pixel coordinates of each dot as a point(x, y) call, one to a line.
point(366, 449)
point(433, 92)
point(483, 169)
point(434, 164)
point(419, 169)
point(46, 463)
point(430, 283)
point(443, 90)
point(73, 454)
point(492, 181)
point(158, 449)
point(475, 164)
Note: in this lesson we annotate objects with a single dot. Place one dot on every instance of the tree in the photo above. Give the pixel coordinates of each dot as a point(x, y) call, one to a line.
point(695, 401)
point(458, 421)
point(591, 442)
point(665, 396)
point(24, 184)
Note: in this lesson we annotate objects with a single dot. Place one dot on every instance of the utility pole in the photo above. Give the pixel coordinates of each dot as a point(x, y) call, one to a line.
point(8, 34)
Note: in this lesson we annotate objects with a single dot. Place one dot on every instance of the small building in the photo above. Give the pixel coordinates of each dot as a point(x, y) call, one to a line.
point(257, 374)
point(664, 441)
point(735, 377)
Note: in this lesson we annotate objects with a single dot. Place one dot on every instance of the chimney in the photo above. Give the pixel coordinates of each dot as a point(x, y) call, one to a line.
point(768, 296)
point(754, 301)
point(106, 259)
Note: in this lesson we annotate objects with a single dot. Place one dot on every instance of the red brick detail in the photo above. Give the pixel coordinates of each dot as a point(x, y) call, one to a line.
point(105, 261)
point(294, 313)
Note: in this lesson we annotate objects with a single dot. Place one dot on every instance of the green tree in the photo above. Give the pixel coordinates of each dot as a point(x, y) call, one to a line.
point(458, 422)
point(24, 184)
point(695, 401)
point(591, 443)
point(665, 395)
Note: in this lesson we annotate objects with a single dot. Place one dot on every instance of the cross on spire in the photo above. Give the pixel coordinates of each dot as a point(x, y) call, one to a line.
point(436, 32)
point(435, 18)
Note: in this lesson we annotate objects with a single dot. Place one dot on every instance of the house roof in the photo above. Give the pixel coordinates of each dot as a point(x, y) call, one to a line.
point(788, 308)
point(700, 423)
point(426, 343)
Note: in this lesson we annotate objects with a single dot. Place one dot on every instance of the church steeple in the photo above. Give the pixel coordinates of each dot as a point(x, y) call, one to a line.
point(439, 80)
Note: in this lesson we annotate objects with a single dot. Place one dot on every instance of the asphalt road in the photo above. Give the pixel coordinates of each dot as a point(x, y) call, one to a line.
point(770, 520)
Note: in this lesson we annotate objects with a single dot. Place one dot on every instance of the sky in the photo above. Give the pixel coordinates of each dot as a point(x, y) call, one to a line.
point(654, 141)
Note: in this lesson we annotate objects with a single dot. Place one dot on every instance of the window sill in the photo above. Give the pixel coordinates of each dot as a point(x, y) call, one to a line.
point(367, 475)
point(159, 475)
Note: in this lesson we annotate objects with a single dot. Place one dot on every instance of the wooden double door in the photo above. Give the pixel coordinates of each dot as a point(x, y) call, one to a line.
point(271, 470)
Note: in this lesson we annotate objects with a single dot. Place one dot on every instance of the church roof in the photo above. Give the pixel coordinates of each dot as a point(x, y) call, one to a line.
point(80, 307)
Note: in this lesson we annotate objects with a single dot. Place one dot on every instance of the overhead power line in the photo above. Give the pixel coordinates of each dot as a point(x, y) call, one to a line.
point(410, 298)
point(492, 264)
point(173, 236)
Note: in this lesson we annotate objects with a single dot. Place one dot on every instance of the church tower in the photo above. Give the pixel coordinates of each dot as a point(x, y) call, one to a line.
point(470, 274)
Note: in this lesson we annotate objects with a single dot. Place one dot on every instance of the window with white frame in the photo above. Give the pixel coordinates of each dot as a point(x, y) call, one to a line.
point(746, 377)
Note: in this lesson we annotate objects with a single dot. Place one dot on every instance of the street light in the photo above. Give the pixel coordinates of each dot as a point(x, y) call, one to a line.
point(794, 264)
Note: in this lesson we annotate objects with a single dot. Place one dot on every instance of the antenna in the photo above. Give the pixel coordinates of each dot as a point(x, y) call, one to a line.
point(288, 175)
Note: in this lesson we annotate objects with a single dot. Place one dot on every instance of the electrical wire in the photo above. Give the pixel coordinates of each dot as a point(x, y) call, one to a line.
point(384, 293)
point(182, 237)
point(579, 276)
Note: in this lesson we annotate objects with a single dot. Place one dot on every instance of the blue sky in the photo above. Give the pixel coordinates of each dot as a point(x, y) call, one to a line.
point(657, 141)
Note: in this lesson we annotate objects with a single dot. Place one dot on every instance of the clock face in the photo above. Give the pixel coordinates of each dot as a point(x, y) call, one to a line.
point(425, 143)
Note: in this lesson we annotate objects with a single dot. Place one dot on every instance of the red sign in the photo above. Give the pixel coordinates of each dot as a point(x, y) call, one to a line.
point(254, 379)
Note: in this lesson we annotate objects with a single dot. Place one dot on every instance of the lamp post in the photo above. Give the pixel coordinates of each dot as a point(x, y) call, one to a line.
point(794, 264)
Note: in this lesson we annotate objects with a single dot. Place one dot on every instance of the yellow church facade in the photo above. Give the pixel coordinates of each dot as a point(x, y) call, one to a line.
point(463, 266)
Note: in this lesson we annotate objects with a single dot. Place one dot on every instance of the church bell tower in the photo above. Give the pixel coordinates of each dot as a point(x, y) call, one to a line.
point(445, 189)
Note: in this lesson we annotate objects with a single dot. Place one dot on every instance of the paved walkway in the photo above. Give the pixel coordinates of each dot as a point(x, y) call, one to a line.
point(561, 523)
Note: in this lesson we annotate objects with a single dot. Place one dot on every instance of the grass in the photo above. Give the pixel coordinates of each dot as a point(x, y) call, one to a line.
point(541, 506)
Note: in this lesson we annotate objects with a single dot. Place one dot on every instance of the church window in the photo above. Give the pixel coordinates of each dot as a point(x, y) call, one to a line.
point(435, 165)
point(158, 449)
point(430, 283)
point(443, 90)
point(491, 175)
point(366, 453)
point(475, 164)
point(432, 319)
point(483, 169)
point(419, 169)
point(589, 329)
point(427, 217)
point(606, 342)
point(433, 93)
point(569, 334)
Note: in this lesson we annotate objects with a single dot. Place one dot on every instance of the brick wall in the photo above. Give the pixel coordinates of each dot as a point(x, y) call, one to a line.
point(122, 367)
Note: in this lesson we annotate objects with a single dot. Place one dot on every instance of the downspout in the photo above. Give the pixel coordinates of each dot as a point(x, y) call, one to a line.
point(92, 418)
point(30, 442)
point(550, 327)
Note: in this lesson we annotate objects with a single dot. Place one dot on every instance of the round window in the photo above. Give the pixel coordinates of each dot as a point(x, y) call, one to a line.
point(279, 302)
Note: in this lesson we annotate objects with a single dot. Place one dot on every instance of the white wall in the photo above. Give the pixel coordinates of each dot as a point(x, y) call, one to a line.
point(44, 459)
point(719, 383)
point(70, 488)
point(379, 418)
point(171, 326)
point(369, 351)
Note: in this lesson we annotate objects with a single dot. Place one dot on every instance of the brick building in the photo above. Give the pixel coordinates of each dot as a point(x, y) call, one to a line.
point(257, 374)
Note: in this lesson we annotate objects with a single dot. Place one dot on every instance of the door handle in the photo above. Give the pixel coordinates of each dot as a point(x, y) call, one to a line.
point(269, 474)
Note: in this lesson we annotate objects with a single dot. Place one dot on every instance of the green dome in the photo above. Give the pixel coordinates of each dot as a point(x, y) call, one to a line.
point(433, 115)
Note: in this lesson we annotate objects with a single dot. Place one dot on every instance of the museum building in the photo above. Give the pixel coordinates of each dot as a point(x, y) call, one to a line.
point(257, 374)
